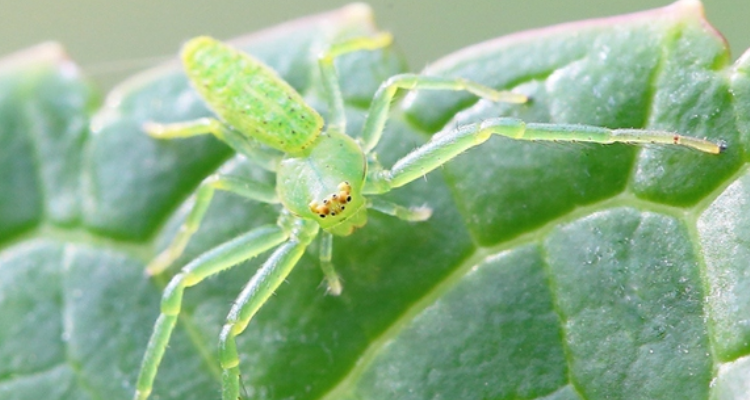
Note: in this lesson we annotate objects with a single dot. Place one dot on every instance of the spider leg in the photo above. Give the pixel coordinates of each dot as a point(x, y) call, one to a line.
point(333, 281)
point(337, 116)
point(381, 103)
point(257, 291)
point(243, 187)
point(263, 156)
point(414, 214)
point(209, 263)
point(448, 144)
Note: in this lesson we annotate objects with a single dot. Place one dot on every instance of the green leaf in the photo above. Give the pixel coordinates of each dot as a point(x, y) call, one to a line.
point(547, 271)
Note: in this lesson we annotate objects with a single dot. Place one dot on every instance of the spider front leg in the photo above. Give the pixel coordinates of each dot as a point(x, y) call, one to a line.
point(262, 285)
point(446, 145)
point(209, 263)
point(378, 115)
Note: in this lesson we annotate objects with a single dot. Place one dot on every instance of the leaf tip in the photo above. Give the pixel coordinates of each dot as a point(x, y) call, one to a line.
point(689, 5)
point(48, 52)
point(687, 8)
point(694, 9)
point(357, 11)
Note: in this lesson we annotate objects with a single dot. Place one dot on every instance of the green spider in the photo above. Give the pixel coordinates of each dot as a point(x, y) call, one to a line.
point(322, 178)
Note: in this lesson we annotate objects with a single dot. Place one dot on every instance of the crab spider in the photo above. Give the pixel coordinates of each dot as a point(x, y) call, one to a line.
point(321, 179)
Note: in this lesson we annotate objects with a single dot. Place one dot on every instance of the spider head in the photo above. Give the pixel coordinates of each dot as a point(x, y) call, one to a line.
point(341, 211)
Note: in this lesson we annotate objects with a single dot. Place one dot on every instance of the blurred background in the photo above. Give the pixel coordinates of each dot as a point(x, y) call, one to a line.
point(113, 39)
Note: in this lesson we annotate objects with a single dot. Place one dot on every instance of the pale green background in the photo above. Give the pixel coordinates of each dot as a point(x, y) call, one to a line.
point(101, 35)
